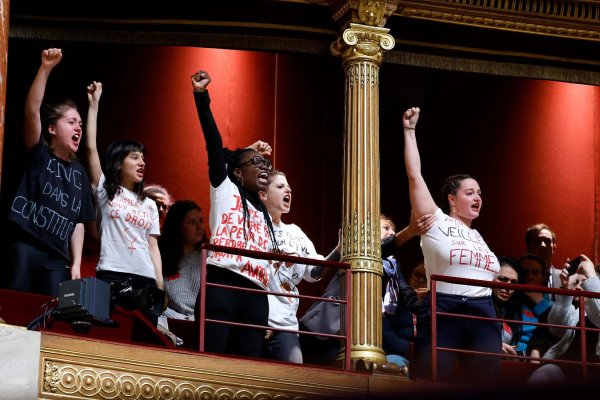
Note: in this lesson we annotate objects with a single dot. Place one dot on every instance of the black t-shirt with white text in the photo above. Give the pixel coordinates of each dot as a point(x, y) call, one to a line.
point(53, 196)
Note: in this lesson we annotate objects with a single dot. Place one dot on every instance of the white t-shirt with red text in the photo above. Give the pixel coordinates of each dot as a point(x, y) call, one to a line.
point(290, 240)
point(451, 248)
point(227, 229)
point(125, 226)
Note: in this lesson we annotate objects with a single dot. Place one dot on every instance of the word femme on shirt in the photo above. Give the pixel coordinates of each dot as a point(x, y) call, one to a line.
point(468, 248)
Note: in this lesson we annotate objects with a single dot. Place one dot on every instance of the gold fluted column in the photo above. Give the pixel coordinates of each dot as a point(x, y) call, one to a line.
point(361, 48)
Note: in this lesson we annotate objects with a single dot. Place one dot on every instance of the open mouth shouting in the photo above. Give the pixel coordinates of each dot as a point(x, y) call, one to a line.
point(140, 173)
point(287, 200)
point(76, 138)
point(263, 178)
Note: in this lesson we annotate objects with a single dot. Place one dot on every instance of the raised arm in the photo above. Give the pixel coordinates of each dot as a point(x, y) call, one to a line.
point(33, 104)
point(217, 170)
point(94, 91)
point(420, 198)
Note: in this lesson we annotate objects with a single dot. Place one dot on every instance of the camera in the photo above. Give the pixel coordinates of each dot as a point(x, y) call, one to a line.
point(574, 265)
point(149, 299)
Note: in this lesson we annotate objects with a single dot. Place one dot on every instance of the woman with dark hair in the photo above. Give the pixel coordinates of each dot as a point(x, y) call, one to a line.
point(238, 219)
point(179, 244)
point(129, 227)
point(507, 304)
point(453, 248)
point(53, 199)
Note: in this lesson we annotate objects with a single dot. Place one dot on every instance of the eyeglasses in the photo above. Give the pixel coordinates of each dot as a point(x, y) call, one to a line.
point(506, 279)
point(258, 162)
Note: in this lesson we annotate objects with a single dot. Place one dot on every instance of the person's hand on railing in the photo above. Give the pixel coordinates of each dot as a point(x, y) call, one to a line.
point(508, 349)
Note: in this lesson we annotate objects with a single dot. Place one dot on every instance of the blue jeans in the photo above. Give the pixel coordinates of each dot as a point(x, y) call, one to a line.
point(459, 333)
point(285, 346)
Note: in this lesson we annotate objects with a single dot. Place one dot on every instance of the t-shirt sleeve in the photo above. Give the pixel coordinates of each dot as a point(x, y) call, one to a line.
point(155, 229)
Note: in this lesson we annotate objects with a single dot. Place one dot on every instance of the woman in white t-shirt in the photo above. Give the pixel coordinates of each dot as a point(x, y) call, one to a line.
point(453, 248)
point(291, 240)
point(129, 227)
point(238, 219)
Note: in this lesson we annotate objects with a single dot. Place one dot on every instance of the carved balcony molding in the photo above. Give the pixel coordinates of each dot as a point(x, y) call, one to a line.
point(563, 18)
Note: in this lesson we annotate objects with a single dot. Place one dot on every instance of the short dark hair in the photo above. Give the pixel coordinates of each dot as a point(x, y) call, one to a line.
point(538, 259)
point(514, 264)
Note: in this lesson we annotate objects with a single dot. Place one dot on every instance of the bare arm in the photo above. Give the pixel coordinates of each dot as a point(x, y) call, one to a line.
point(156, 261)
point(416, 227)
point(76, 246)
point(420, 198)
point(94, 91)
point(33, 104)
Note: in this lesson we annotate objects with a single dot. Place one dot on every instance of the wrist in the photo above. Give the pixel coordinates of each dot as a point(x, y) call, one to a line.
point(409, 128)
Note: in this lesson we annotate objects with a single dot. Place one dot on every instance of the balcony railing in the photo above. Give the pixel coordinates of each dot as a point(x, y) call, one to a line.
point(580, 294)
point(345, 302)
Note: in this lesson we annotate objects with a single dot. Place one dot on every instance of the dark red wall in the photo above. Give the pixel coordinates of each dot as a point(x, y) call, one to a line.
point(532, 145)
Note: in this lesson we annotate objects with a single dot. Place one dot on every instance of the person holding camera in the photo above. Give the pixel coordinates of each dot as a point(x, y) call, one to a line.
point(565, 313)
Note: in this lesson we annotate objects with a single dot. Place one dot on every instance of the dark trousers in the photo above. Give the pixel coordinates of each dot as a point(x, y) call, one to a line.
point(459, 333)
point(35, 269)
point(234, 306)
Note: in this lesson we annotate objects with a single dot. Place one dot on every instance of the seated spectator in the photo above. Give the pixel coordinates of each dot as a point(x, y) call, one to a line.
point(536, 305)
point(183, 234)
point(418, 281)
point(400, 301)
point(565, 313)
point(161, 197)
point(508, 306)
point(324, 317)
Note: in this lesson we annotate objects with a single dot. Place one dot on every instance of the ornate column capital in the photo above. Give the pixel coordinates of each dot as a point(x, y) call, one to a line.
point(364, 43)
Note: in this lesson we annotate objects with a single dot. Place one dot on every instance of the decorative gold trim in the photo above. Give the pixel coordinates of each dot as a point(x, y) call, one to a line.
point(362, 42)
point(569, 19)
point(371, 12)
point(74, 380)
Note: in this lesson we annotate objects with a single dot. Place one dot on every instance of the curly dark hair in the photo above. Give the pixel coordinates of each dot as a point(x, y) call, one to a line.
point(116, 152)
point(232, 159)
